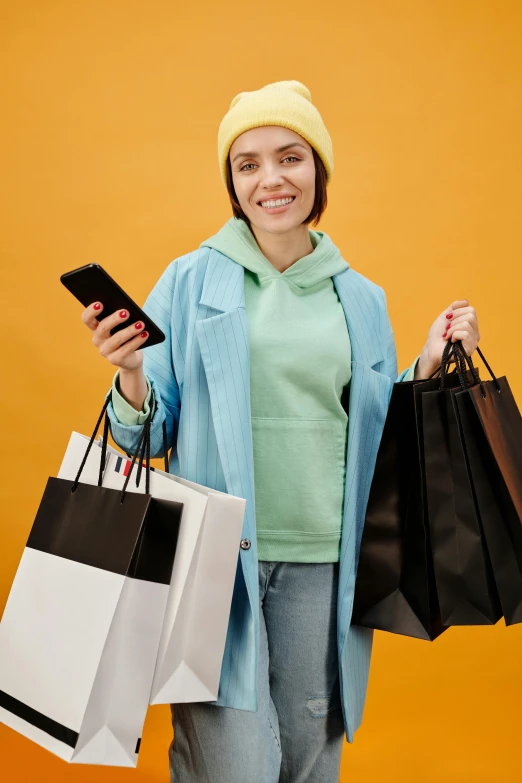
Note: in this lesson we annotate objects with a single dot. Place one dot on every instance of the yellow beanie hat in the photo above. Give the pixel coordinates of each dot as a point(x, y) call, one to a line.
point(288, 104)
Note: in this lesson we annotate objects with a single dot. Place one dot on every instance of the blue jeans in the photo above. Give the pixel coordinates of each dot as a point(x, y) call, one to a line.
point(297, 733)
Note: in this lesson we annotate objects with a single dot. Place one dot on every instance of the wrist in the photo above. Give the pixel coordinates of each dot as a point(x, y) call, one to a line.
point(132, 386)
point(425, 366)
point(136, 372)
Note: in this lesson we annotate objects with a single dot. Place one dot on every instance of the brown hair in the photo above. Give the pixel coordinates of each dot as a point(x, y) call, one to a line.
point(320, 200)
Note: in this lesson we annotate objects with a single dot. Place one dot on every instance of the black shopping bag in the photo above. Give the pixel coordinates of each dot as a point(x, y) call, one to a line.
point(80, 632)
point(464, 578)
point(395, 585)
point(492, 434)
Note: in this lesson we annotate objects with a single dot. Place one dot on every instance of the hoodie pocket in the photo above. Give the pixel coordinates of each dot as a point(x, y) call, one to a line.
point(299, 471)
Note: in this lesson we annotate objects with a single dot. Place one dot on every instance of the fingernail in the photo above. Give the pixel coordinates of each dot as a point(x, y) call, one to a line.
point(139, 325)
point(449, 315)
point(445, 333)
point(144, 334)
point(97, 306)
point(123, 313)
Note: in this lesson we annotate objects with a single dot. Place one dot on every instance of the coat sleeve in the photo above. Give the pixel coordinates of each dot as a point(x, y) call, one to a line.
point(160, 374)
point(391, 369)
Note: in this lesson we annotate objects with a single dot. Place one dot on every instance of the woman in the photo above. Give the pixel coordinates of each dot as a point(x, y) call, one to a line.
point(274, 379)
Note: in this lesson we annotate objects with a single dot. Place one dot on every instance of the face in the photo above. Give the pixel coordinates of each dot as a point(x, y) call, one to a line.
point(262, 171)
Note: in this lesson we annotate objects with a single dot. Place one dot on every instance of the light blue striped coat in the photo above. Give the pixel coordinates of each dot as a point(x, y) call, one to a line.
point(201, 378)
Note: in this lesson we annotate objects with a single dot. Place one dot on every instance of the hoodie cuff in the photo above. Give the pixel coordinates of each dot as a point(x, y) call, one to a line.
point(125, 413)
point(411, 372)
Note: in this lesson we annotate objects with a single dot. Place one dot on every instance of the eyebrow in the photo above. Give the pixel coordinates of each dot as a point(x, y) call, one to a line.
point(279, 149)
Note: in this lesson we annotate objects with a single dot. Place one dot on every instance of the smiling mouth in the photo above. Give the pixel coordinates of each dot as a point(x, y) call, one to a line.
point(278, 206)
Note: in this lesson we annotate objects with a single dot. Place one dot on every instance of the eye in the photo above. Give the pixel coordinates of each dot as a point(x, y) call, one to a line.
point(289, 157)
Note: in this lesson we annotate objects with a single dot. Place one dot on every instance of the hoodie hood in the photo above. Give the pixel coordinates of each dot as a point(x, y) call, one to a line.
point(236, 240)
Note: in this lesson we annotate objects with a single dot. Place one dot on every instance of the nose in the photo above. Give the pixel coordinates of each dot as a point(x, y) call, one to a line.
point(271, 177)
point(272, 186)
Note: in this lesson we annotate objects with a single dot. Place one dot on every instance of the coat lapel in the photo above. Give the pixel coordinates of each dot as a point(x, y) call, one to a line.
point(361, 317)
point(368, 404)
point(222, 332)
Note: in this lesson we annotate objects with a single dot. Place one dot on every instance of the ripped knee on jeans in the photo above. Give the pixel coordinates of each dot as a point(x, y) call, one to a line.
point(320, 707)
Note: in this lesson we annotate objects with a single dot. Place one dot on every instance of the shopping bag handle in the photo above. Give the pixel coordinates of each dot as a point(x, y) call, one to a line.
point(460, 356)
point(165, 446)
point(451, 350)
point(145, 440)
point(439, 368)
point(142, 449)
point(464, 358)
point(165, 442)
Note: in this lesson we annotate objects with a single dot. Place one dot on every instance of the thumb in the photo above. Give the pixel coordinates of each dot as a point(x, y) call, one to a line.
point(458, 303)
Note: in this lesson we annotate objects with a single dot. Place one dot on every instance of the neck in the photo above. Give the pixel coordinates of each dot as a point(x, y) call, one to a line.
point(283, 250)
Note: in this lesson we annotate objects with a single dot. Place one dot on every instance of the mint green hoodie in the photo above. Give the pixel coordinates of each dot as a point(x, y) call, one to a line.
point(300, 365)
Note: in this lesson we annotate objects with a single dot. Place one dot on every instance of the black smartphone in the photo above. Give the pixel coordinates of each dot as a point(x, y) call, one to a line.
point(91, 283)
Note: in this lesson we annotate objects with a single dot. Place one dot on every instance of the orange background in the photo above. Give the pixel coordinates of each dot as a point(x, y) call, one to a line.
point(108, 140)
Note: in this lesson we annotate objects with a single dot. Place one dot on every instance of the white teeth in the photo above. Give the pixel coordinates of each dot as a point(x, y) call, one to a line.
point(278, 203)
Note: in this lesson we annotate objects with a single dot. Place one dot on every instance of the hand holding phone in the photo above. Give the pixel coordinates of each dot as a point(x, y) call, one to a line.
point(122, 347)
point(118, 325)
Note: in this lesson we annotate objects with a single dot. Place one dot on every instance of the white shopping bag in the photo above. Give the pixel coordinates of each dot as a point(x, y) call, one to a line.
point(192, 643)
point(80, 632)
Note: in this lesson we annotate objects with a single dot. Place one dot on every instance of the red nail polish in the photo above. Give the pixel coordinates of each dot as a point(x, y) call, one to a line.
point(123, 313)
point(449, 315)
point(139, 325)
point(445, 333)
point(97, 306)
point(144, 334)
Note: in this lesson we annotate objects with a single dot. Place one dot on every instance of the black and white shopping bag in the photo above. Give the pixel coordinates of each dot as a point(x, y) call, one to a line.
point(80, 633)
point(192, 644)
